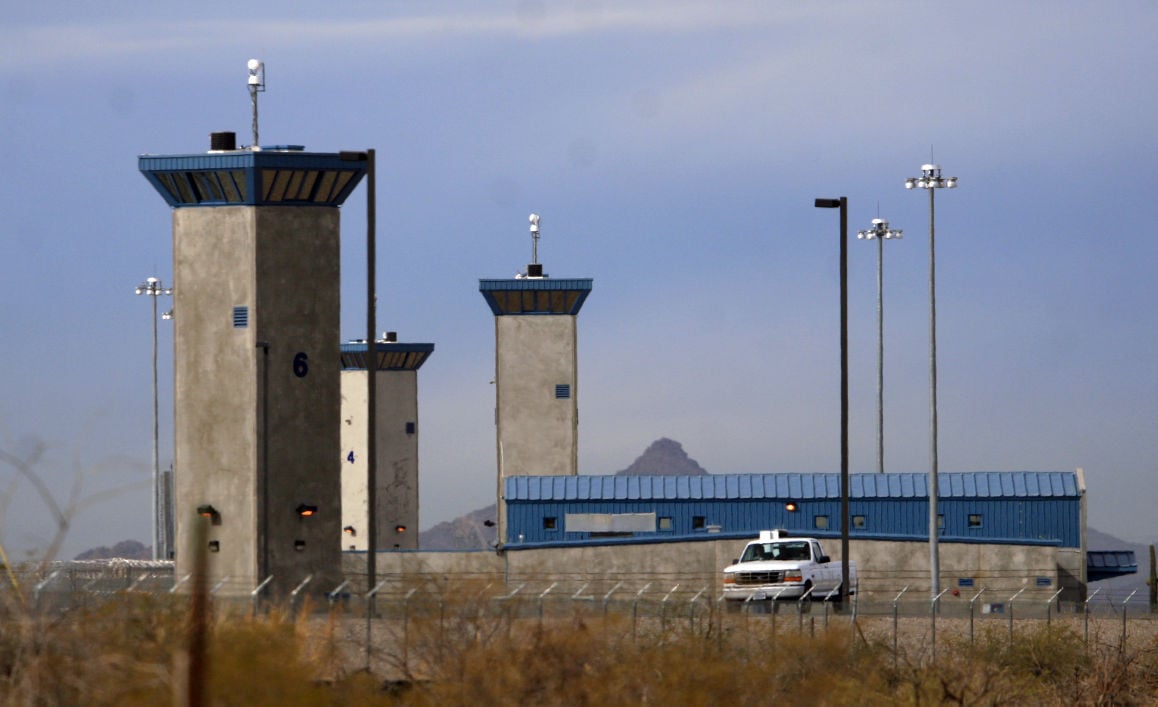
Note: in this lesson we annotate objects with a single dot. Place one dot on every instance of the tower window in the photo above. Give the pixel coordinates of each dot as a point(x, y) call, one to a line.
point(698, 522)
point(549, 522)
point(820, 522)
point(563, 391)
point(240, 317)
point(974, 520)
point(858, 521)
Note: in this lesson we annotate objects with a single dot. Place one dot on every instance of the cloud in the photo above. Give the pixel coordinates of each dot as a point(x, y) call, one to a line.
point(56, 43)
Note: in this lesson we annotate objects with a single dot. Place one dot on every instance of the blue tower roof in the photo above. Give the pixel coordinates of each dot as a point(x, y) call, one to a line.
point(535, 295)
point(278, 177)
point(392, 356)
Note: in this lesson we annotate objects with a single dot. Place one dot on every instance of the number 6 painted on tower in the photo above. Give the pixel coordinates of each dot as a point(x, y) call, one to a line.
point(301, 364)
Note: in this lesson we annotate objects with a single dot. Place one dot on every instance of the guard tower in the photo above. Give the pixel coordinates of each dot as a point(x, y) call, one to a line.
point(256, 390)
point(396, 419)
point(536, 380)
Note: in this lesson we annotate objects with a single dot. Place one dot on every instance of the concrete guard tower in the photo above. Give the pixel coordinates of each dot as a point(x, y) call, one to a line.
point(256, 393)
point(536, 378)
point(396, 367)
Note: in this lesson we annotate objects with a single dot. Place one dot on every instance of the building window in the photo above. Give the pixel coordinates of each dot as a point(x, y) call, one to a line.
point(858, 522)
point(940, 521)
point(698, 522)
point(664, 523)
point(549, 522)
point(410, 427)
point(563, 391)
point(820, 522)
point(974, 520)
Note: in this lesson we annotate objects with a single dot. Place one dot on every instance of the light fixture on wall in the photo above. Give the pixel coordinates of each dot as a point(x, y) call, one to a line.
point(209, 512)
point(305, 510)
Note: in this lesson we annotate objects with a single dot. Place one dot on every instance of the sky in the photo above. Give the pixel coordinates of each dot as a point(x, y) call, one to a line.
point(674, 150)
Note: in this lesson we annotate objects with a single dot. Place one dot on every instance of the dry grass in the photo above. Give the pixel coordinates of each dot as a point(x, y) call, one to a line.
point(133, 649)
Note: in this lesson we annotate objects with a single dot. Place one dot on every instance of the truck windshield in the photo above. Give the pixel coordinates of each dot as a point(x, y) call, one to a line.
point(788, 551)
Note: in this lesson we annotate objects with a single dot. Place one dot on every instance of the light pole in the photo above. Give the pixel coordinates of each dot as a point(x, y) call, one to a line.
point(880, 232)
point(842, 204)
point(155, 288)
point(932, 180)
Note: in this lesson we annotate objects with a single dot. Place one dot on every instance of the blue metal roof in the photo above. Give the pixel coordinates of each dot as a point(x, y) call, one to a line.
point(1104, 564)
point(533, 295)
point(976, 484)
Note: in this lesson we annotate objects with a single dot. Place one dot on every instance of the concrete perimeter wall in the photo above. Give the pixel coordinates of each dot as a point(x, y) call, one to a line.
point(884, 567)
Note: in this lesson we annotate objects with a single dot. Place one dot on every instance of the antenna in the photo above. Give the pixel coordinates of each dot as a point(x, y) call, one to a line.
point(534, 238)
point(534, 269)
point(256, 85)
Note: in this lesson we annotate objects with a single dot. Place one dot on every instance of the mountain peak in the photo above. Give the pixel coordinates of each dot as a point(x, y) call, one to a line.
point(663, 457)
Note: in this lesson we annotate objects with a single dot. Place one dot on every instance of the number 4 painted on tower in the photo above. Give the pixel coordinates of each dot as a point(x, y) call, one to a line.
point(350, 456)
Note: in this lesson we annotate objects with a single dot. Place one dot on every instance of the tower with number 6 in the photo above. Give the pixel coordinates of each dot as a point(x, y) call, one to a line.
point(256, 383)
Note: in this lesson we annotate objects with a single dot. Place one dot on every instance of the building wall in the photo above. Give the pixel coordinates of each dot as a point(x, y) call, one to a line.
point(397, 464)
point(256, 407)
point(537, 432)
point(884, 567)
point(1050, 520)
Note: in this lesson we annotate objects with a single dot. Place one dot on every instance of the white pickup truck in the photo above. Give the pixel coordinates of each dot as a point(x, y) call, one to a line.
point(780, 567)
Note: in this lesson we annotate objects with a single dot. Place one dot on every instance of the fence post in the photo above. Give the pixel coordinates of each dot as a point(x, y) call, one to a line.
point(607, 597)
point(1048, 611)
point(1086, 613)
point(663, 609)
point(370, 615)
point(333, 595)
point(256, 593)
point(692, 609)
point(1122, 645)
point(178, 583)
point(406, 632)
point(933, 606)
point(294, 595)
point(971, 601)
point(44, 583)
point(635, 609)
point(800, 610)
point(826, 598)
point(896, 599)
point(1019, 591)
point(541, 596)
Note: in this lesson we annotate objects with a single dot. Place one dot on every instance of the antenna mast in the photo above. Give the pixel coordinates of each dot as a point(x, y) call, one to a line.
point(534, 239)
point(256, 85)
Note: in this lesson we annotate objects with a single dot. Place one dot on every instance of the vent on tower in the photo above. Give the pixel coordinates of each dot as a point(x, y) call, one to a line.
point(535, 270)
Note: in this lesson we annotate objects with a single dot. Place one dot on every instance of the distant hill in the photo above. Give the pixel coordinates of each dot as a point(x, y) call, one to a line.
point(471, 532)
point(664, 457)
point(467, 532)
point(125, 549)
